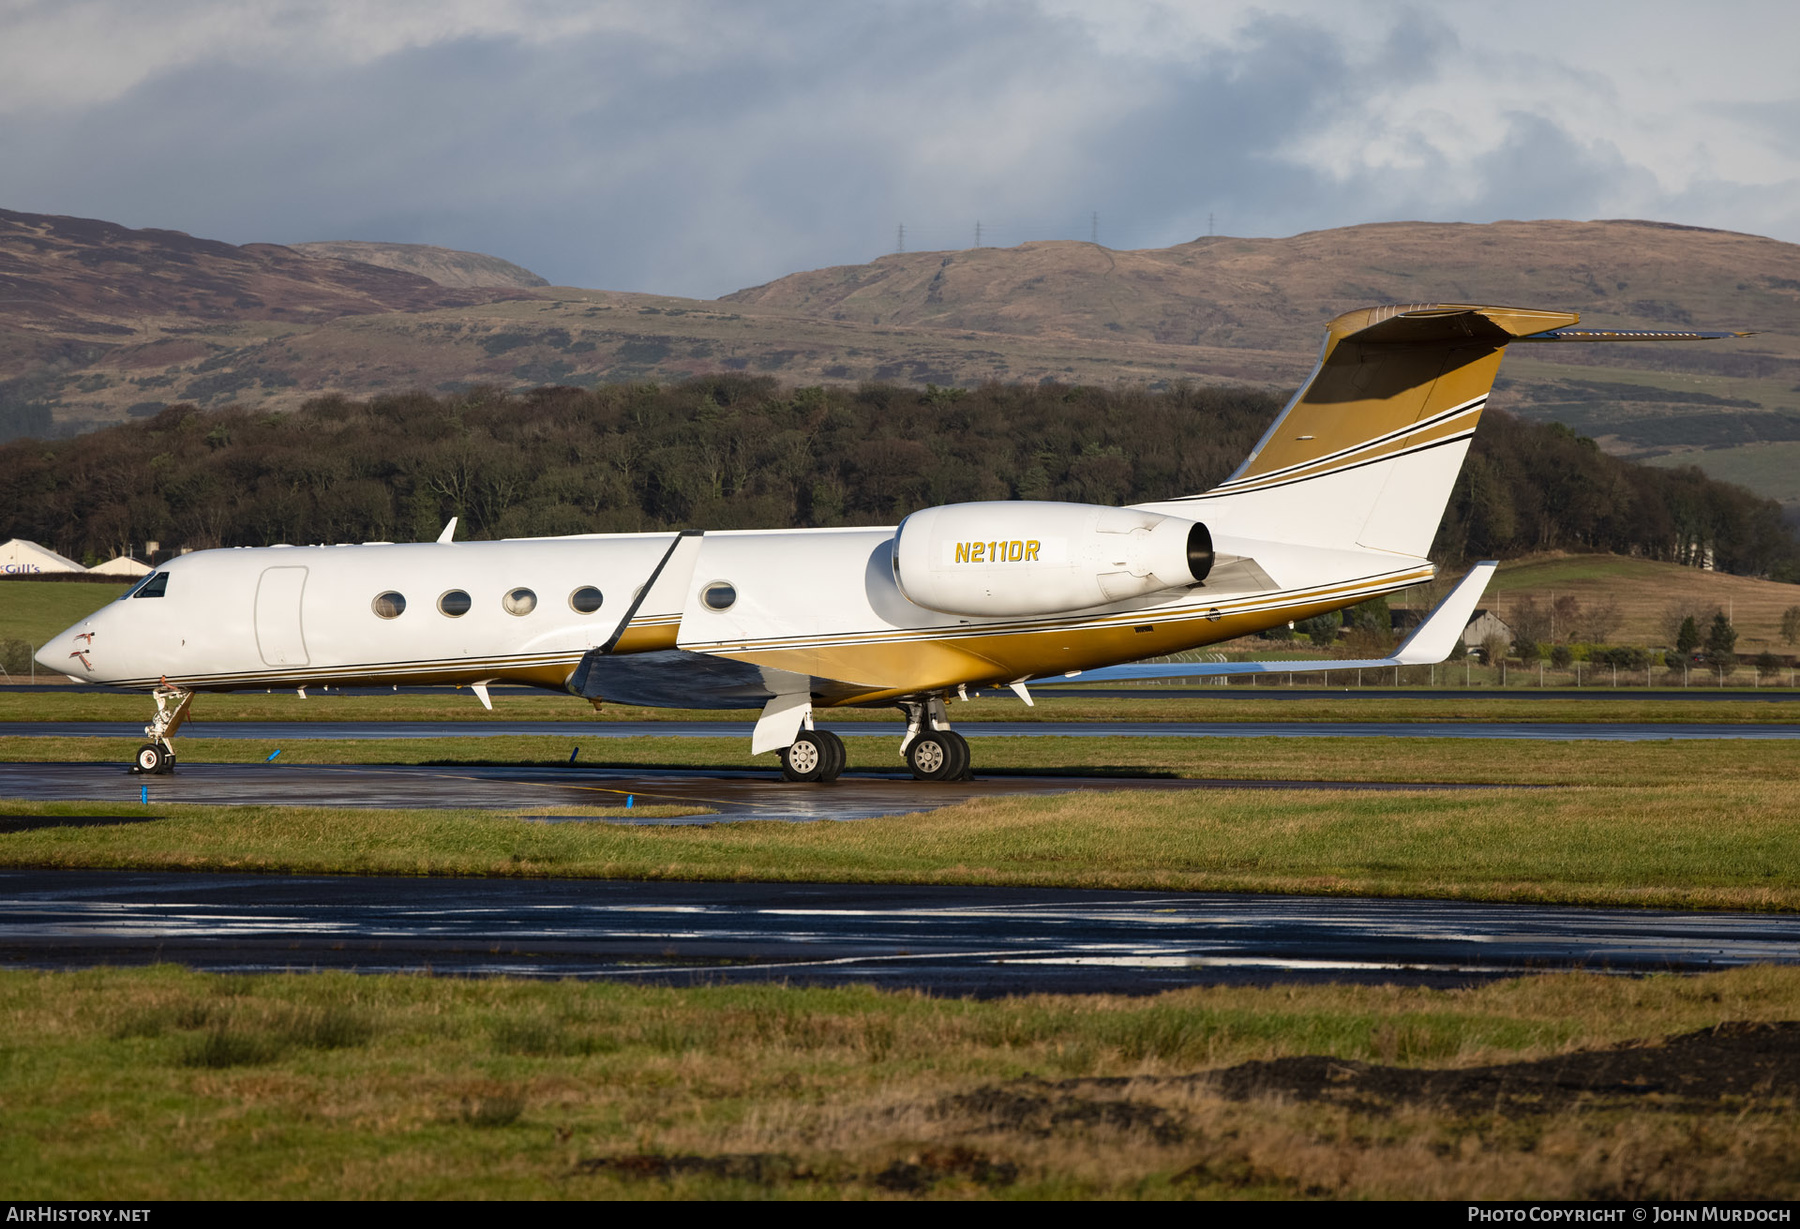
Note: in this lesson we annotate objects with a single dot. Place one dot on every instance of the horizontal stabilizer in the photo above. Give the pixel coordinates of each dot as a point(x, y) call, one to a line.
point(1431, 642)
point(1452, 323)
point(1634, 335)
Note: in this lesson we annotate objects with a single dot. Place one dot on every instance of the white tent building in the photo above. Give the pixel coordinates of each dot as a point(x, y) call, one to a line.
point(21, 558)
point(124, 565)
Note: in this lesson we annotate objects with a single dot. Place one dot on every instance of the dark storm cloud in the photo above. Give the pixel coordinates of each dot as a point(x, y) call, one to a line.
point(1210, 137)
point(605, 160)
point(696, 165)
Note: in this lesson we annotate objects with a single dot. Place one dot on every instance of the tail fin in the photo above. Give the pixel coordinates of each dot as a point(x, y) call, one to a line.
point(1366, 453)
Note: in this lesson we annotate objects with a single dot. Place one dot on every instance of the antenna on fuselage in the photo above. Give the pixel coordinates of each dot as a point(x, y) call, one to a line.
point(449, 531)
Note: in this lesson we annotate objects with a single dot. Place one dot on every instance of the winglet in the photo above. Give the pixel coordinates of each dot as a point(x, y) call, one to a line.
point(449, 532)
point(1433, 639)
point(1429, 644)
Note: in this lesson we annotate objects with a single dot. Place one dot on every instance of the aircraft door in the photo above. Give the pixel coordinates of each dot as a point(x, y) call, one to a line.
point(279, 636)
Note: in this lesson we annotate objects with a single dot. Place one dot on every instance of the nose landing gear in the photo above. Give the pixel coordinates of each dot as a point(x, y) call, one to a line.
point(158, 755)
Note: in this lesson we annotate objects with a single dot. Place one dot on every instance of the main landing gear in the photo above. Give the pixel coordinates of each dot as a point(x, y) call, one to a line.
point(931, 749)
point(158, 755)
point(815, 755)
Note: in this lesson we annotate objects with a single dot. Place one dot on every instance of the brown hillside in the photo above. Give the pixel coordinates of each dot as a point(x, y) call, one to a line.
point(445, 266)
point(1227, 300)
point(1273, 294)
point(81, 287)
point(1649, 597)
point(113, 323)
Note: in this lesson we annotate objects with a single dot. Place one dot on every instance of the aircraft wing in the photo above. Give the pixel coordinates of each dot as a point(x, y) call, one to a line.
point(1429, 643)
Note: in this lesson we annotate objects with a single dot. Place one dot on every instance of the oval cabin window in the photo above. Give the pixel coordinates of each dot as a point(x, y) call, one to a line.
point(585, 600)
point(719, 595)
point(519, 601)
point(455, 603)
point(390, 605)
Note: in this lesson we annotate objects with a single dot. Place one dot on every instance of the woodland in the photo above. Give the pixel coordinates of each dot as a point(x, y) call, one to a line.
point(738, 451)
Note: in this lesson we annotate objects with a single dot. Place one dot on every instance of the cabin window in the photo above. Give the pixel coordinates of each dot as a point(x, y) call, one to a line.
point(719, 595)
point(519, 601)
point(155, 585)
point(455, 603)
point(389, 605)
point(585, 600)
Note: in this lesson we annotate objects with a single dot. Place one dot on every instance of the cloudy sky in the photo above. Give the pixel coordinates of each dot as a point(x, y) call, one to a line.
point(695, 148)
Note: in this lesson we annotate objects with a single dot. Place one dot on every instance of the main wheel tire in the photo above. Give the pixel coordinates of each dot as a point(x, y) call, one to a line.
point(151, 758)
point(805, 759)
point(964, 757)
point(938, 755)
point(836, 755)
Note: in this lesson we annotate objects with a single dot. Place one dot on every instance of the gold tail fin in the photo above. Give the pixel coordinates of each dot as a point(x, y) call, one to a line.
point(1365, 455)
point(1389, 380)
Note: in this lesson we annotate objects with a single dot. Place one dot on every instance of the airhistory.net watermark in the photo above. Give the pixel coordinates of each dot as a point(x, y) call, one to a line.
point(52, 1214)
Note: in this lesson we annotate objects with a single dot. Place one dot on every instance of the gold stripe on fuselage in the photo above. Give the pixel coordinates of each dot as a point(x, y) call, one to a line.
point(908, 662)
point(888, 663)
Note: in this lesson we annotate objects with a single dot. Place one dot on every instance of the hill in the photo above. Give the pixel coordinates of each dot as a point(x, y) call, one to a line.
point(1269, 296)
point(100, 317)
point(1650, 597)
point(445, 266)
point(117, 323)
point(1272, 294)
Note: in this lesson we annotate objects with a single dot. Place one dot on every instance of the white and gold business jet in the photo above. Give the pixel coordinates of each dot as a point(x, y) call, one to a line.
point(1338, 503)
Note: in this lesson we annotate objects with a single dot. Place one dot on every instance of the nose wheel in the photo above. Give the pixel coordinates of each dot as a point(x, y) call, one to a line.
point(816, 755)
point(157, 757)
point(154, 759)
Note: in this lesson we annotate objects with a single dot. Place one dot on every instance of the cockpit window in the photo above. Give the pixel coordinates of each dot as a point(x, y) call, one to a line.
point(154, 585)
point(137, 584)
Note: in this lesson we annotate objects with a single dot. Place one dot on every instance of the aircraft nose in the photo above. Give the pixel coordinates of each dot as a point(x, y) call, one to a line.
point(59, 656)
point(54, 656)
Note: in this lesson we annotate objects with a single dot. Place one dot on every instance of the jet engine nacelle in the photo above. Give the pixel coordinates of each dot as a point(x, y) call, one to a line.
point(1025, 558)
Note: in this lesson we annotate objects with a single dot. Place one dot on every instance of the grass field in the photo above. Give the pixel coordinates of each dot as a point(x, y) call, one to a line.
point(35, 610)
point(160, 1083)
point(1497, 762)
point(1769, 469)
point(1215, 704)
point(1646, 591)
point(1685, 825)
point(163, 1084)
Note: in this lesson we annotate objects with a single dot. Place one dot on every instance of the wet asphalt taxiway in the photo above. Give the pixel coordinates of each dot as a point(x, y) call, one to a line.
point(1531, 731)
point(724, 794)
point(952, 940)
